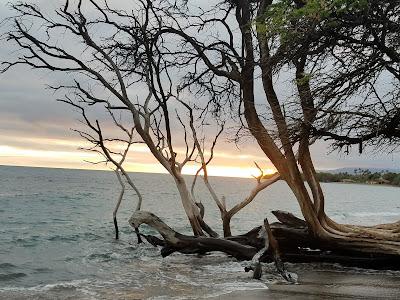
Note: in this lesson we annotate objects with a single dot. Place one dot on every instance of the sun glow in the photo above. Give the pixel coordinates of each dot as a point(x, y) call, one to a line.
point(140, 162)
point(229, 171)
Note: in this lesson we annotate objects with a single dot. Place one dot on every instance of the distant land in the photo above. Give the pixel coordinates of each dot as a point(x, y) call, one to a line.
point(351, 170)
point(361, 175)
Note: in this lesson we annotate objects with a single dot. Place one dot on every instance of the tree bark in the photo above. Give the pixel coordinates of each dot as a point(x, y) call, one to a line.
point(299, 245)
point(176, 242)
point(226, 224)
point(192, 210)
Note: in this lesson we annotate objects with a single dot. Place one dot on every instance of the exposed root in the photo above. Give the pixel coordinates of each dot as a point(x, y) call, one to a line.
point(351, 248)
point(382, 232)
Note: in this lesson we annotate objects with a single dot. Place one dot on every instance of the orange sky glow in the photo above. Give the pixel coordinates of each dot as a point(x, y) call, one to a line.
point(65, 154)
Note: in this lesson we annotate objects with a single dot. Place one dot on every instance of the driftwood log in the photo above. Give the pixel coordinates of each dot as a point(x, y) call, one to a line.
point(176, 242)
point(254, 245)
point(287, 240)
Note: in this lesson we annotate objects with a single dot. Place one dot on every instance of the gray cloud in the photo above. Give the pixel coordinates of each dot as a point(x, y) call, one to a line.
point(28, 110)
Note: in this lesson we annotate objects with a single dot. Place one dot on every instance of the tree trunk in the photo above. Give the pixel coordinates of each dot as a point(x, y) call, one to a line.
point(192, 210)
point(226, 224)
point(296, 184)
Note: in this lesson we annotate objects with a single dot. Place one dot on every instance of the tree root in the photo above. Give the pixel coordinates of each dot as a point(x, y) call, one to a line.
point(356, 249)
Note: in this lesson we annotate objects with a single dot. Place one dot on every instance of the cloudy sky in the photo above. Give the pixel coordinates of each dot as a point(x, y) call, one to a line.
point(35, 130)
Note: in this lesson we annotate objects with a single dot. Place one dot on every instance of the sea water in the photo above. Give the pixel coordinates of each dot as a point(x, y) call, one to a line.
point(57, 235)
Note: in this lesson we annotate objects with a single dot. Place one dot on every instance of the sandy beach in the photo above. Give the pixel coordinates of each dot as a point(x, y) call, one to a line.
point(329, 285)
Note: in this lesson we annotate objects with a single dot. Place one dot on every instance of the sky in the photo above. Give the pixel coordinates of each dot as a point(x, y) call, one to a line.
point(35, 130)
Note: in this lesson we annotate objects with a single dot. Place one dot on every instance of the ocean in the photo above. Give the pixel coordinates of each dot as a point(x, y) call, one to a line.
point(57, 235)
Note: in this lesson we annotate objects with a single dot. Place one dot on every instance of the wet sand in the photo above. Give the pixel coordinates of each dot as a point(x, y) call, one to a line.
point(328, 285)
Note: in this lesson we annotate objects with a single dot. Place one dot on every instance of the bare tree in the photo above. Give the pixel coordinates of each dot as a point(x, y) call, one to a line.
point(262, 182)
point(104, 72)
point(99, 144)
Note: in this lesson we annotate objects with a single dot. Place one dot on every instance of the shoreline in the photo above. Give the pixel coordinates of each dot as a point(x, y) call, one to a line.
point(327, 284)
point(322, 281)
point(361, 183)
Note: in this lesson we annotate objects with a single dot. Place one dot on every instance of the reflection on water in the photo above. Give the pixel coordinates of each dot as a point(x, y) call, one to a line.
point(56, 235)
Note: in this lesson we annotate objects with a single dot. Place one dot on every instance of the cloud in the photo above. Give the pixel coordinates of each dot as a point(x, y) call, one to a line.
point(37, 128)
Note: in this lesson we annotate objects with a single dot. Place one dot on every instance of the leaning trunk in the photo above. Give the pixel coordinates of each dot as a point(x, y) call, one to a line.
point(190, 207)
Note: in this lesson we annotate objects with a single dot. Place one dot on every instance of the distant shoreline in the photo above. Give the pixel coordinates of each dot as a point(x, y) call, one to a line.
point(359, 176)
point(363, 183)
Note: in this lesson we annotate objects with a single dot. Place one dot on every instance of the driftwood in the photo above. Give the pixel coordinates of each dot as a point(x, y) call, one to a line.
point(255, 245)
point(270, 249)
point(288, 240)
point(177, 242)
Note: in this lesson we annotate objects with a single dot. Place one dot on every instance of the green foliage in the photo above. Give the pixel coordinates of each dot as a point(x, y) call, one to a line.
point(305, 79)
point(361, 176)
point(390, 176)
point(284, 19)
point(396, 180)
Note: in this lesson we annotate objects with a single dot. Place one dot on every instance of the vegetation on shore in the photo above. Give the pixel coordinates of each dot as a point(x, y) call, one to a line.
point(361, 176)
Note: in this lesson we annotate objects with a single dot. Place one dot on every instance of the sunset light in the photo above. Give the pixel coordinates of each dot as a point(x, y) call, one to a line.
point(79, 159)
point(229, 171)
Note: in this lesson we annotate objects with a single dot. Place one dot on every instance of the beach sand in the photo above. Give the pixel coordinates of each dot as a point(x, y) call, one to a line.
point(328, 285)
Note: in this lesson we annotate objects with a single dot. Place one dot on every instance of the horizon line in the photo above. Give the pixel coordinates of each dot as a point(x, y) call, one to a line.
point(166, 173)
point(110, 170)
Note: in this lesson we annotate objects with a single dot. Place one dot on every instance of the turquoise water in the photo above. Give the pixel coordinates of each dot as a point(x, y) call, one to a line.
point(57, 238)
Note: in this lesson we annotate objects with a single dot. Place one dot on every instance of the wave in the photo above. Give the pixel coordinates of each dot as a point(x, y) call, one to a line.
point(47, 287)
point(42, 270)
point(11, 276)
point(26, 242)
point(75, 237)
point(7, 266)
point(100, 256)
point(372, 214)
point(234, 287)
point(63, 238)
